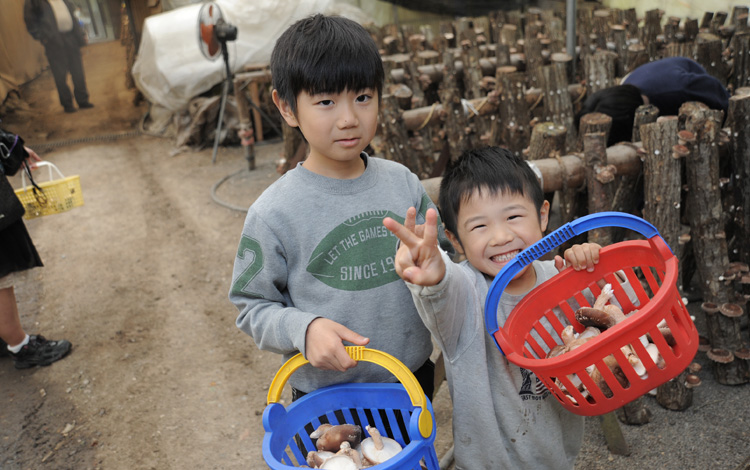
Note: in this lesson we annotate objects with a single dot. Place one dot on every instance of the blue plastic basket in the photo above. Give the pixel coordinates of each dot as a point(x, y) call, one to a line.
point(399, 411)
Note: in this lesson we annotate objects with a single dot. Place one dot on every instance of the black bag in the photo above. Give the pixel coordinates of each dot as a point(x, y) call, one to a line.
point(12, 152)
point(11, 208)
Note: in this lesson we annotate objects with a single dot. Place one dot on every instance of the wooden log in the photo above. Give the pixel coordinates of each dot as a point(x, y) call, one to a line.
point(600, 70)
point(620, 43)
point(634, 413)
point(245, 129)
point(726, 368)
point(593, 122)
point(739, 15)
point(534, 59)
point(740, 48)
point(675, 395)
point(472, 77)
point(680, 49)
point(558, 107)
point(599, 176)
point(508, 34)
point(708, 53)
point(743, 357)
point(690, 28)
point(567, 171)
point(403, 96)
point(547, 140)
point(512, 129)
point(739, 115)
point(630, 20)
point(600, 28)
point(412, 81)
point(718, 21)
point(456, 126)
point(629, 191)
point(636, 57)
point(294, 150)
point(650, 32)
point(723, 327)
point(395, 136)
point(644, 114)
point(661, 179)
point(703, 197)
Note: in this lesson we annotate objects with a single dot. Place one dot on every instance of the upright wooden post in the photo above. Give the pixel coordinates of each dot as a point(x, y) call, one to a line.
point(558, 107)
point(599, 175)
point(600, 70)
point(456, 125)
point(662, 181)
point(739, 110)
point(709, 239)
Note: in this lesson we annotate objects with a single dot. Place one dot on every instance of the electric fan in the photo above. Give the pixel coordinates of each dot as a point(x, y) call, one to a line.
point(213, 34)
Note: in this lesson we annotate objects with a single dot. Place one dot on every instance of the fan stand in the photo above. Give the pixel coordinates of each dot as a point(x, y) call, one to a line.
point(226, 89)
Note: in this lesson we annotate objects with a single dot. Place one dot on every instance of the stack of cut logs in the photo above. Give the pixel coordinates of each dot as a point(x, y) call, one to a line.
point(505, 79)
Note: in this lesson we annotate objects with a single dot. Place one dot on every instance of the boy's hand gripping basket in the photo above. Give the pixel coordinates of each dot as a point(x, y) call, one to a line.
point(587, 380)
point(52, 196)
point(400, 410)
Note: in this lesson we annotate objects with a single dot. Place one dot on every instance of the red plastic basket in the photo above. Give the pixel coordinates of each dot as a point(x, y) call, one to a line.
point(535, 324)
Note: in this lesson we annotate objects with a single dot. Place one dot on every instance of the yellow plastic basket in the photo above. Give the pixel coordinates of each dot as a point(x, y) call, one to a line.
point(57, 195)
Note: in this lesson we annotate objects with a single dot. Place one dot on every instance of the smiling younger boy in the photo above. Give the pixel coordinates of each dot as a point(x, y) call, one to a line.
point(314, 270)
point(493, 208)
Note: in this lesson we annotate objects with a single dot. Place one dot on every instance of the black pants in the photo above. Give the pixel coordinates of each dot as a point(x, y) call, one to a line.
point(425, 375)
point(65, 57)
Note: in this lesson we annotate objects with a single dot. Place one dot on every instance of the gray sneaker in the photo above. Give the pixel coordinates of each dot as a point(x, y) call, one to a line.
point(40, 352)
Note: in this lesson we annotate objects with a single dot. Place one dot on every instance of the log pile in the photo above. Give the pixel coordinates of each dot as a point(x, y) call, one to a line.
point(506, 79)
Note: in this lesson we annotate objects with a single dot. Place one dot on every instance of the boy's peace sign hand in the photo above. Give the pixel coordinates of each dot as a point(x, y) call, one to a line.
point(418, 259)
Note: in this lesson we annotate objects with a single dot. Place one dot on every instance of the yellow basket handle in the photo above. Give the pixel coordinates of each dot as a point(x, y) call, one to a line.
point(360, 353)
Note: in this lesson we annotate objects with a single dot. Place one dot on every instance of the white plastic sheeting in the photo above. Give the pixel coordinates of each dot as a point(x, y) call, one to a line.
point(170, 68)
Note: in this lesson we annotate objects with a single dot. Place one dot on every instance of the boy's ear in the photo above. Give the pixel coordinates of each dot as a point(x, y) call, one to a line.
point(284, 109)
point(544, 215)
point(455, 242)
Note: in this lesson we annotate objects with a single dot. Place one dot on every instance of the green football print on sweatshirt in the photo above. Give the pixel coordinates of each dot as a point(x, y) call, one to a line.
point(358, 254)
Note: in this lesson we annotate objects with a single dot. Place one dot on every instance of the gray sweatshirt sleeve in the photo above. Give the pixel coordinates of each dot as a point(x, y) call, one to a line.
point(444, 307)
point(259, 291)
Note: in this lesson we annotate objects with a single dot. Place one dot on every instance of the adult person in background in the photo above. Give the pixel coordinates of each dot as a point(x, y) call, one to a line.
point(18, 257)
point(667, 84)
point(53, 23)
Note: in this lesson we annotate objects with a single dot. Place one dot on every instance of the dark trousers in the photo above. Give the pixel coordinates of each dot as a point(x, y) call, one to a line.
point(65, 57)
point(425, 375)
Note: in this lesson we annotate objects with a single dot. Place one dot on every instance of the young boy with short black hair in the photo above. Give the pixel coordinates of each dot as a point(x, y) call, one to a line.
point(493, 208)
point(315, 266)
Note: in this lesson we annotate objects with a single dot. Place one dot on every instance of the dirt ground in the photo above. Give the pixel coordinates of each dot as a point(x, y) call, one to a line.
point(137, 279)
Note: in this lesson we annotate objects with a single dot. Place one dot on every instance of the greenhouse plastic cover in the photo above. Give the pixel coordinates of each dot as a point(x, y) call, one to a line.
point(170, 69)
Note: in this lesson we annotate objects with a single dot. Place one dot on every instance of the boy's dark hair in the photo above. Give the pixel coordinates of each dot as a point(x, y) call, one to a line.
point(492, 169)
point(325, 54)
point(618, 102)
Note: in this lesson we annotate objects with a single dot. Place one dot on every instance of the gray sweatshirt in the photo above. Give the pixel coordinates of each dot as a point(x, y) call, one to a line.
point(316, 247)
point(503, 416)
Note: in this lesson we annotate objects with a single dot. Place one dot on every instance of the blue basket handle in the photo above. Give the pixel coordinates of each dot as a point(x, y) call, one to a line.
point(550, 242)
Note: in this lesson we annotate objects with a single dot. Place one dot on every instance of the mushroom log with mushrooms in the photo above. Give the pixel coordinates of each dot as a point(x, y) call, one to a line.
point(598, 318)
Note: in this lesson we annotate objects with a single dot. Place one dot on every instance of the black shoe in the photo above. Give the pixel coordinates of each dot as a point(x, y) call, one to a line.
point(85, 105)
point(70, 109)
point(4, 349)
point(40, 352)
